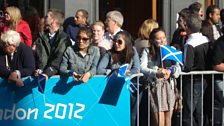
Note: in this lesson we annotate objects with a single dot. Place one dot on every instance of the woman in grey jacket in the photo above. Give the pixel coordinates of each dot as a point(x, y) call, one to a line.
point(81, 60)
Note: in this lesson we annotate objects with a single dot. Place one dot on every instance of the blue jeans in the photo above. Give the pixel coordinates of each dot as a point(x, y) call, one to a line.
point(197, 100)
point(218, 90)
point(219, 102)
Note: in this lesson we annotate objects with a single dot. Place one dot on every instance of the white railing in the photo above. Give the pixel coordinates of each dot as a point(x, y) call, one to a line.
point(203, 74)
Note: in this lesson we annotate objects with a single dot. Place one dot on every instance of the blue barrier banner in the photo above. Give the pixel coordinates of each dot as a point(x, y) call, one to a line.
point(66, 103)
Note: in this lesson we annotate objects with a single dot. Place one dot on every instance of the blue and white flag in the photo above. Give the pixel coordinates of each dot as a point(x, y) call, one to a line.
point(41, 82)
point(122, 70)
point(170, 53)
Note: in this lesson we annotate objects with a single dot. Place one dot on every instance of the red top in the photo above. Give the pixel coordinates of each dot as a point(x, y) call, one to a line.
point(24, 31)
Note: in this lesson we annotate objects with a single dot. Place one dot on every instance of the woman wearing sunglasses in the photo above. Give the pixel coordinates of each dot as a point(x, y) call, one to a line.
point(80, 61)
point(161, 77)
point(15, 22)
point(121, 53)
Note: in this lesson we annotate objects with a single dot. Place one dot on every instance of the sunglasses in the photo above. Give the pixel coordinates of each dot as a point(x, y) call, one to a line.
point(84, 39)
point(118, 41)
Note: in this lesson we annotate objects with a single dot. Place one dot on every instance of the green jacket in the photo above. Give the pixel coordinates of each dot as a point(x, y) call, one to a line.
point(48, 57)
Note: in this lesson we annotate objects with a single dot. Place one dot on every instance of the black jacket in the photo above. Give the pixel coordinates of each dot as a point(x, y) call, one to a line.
point(23, 60)
point(196, 53)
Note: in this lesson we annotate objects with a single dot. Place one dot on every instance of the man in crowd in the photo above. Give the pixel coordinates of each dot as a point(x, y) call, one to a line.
point(195, 59)
point(180, 35)
point(51, 44)
point(80, 20)
point(114, 22)
point(210, 26)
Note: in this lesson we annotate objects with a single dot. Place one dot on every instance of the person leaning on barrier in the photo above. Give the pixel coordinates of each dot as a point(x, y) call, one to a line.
point(80, 60)
point(121, 53)
point(161, 77)
point(195, 59)
point(51, 44)
point(16, 58)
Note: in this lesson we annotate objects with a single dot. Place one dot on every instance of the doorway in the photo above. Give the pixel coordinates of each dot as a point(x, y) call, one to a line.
point(134, 12)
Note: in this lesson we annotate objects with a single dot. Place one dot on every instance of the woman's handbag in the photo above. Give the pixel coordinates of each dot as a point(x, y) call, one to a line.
point(178, 105)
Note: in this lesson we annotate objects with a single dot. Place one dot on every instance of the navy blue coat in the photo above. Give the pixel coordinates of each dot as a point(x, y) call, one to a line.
point(23, 60)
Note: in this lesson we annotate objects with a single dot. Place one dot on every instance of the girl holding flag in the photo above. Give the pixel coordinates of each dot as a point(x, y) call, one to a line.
point(122, 53)
point(161, 77)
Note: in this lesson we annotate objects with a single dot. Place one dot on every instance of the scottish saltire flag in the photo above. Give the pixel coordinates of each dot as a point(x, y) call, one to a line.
point(170, 53)
point(119, 72)
point(122, 70)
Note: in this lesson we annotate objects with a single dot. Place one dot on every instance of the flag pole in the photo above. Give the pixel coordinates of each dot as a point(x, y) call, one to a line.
point(160, 88)
point(161, 55)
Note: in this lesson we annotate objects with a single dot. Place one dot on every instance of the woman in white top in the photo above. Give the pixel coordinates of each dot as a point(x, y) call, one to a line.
point(161, 76)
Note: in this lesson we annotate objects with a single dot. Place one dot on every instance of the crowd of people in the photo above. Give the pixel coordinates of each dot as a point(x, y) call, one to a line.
point(82, 50)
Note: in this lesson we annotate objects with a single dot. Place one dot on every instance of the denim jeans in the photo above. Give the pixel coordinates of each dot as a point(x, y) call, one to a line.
point(219, 103)
point(197, 100)
point(218, 90)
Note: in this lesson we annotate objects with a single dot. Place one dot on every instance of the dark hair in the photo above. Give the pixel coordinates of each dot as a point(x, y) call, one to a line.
point(195, 7)
point(222, 16)
point(86, 30)
point(85, 14)
point(211, 10)
point(154, 49)
point(184, 13)
point(125, 55)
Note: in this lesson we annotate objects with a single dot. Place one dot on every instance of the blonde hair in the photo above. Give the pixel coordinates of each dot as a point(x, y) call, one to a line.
point(15, 16)
point(99, 23)
point(10, 37)
point(146, 28)
point(116, 16)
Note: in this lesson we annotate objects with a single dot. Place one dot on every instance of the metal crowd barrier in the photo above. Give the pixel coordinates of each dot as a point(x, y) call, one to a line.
point(211, 119)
